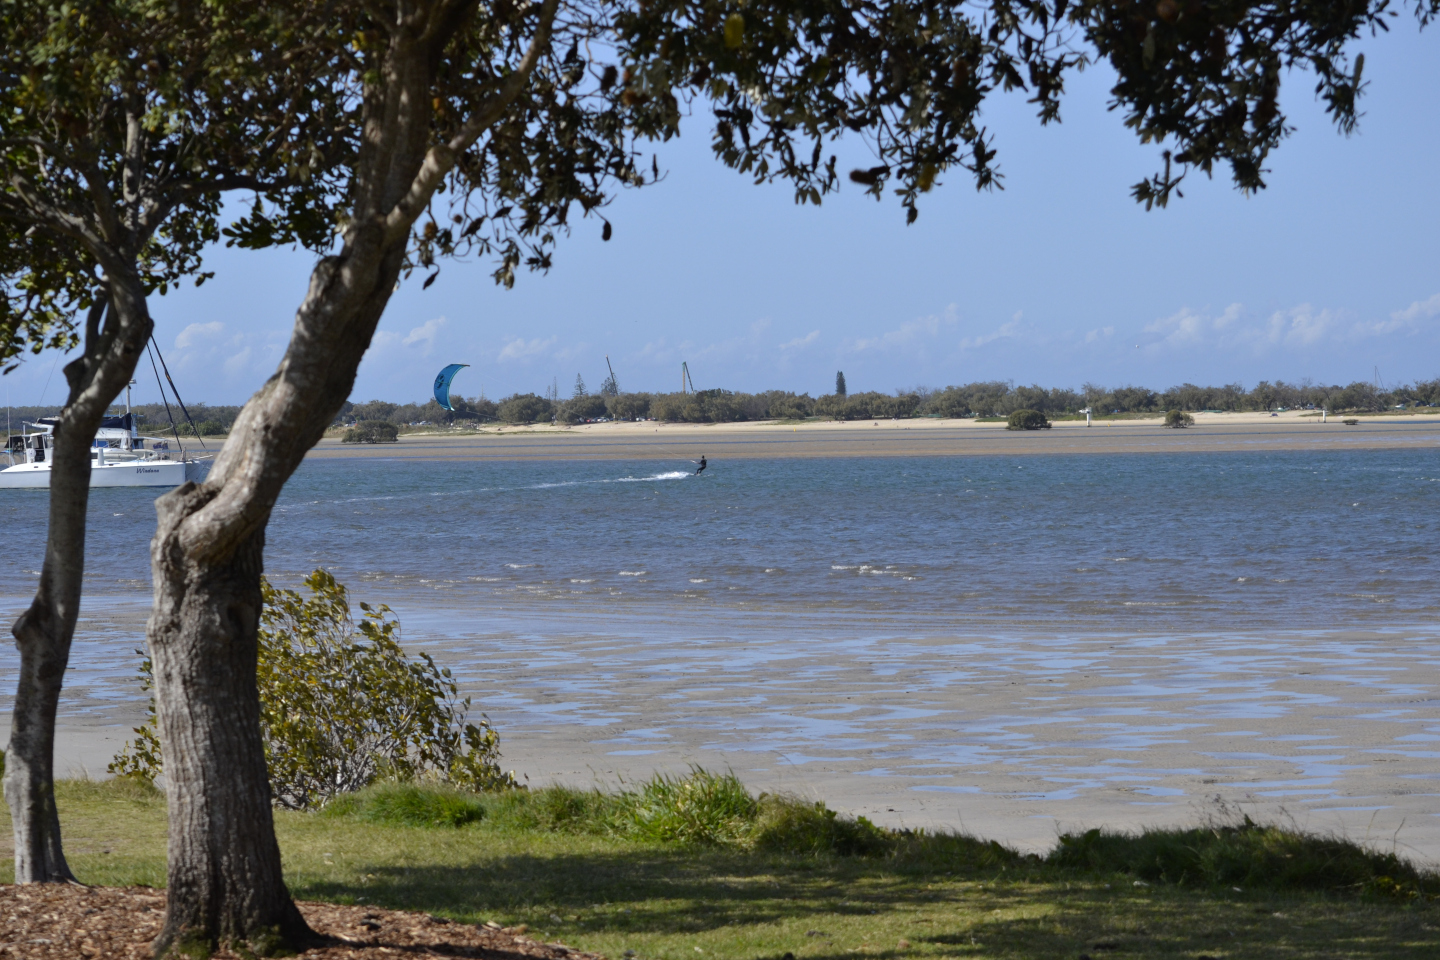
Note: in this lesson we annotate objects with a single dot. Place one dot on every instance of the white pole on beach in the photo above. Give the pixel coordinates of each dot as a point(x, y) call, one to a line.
point(1324, 414)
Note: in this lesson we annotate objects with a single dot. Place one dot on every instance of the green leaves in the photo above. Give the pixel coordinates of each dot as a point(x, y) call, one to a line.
point(343, 706)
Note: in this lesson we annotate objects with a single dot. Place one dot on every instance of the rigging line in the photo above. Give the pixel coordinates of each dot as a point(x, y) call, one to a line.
point(176, 391)
point(170, 416)
point(49, 378)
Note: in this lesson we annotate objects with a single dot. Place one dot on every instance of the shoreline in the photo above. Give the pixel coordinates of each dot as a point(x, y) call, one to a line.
point(1016, 737)
point(1212, 433)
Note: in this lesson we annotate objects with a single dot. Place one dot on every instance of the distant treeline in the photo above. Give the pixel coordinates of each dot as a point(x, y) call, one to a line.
point(986, 399)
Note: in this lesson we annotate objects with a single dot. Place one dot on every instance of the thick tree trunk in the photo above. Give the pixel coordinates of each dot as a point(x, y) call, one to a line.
point(44, 632)
point(225, 879)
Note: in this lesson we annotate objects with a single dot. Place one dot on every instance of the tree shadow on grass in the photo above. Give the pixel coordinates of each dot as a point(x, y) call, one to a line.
point(650, 892)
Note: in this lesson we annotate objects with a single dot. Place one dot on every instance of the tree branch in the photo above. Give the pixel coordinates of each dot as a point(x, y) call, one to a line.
point(440, 159)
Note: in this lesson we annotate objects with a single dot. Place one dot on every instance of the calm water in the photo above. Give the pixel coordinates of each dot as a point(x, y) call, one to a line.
point(1152, 543)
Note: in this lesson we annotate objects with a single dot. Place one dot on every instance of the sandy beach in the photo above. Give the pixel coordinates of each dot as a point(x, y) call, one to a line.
point(1212, 433)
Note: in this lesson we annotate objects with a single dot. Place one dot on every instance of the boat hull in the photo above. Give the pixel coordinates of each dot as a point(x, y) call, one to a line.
point(150, 473)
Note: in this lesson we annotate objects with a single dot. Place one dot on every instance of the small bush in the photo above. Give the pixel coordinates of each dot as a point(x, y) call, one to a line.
point(343, 707)
point(702, 809)
point(1179, 419)
point(409, 805)
point(1027, 420)
point(372, 431)
point(1245, 855)
point(790, 825)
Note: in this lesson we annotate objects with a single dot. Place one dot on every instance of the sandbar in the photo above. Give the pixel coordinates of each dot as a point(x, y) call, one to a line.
point(924, 437)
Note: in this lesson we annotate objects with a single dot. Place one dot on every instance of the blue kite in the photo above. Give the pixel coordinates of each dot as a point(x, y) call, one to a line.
point(442, 384)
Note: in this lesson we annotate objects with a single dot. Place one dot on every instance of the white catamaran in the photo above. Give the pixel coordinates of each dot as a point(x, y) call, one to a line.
point(120, 457)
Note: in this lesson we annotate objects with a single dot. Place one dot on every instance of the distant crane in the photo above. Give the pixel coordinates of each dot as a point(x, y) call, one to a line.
point(611, 387)
point(685, 377)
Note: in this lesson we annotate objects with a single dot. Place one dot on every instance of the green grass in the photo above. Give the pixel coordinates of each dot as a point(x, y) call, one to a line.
point(696, 867)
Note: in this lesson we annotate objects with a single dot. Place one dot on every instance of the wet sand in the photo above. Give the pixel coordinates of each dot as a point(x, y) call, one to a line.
point(898, 438)
point(1015, 738)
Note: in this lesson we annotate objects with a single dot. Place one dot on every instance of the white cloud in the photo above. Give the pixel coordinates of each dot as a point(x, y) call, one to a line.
point(197, 333)
point(522, 349)
point(1189, 327)
point(425, 333)
point(908, 333)
point(800, 343)
point(1419, 310)
point(1096, 334)
point(1297, 327)
point(1003, 332)
point(1301, 326)
point(237, 363)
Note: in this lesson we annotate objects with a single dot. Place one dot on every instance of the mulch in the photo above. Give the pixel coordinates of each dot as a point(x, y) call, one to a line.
point(53, 921)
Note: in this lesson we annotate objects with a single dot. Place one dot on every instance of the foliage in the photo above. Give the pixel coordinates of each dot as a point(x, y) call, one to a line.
point(1179, 419)
point(1027, 420)
point(704, 809)
point(1246, 854)
point(867, 406)
point(113, 163)
point(343, 707)
point(701, 809)
point(628, 406)
point(840, 388)
point(409, 805)
point(525, 408)
point(607, 895)
point(581, 408)
point(372, 431)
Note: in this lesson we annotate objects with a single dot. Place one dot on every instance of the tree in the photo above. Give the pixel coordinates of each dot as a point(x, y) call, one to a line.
point(839, 383)
point(580, 389)
point(525, 408)
point(494, 112)
point(112, 166)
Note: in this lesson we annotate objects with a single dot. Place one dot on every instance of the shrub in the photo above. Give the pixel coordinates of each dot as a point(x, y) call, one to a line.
point(702, 809)
point(790, 825)
point(1179, 419)
point(1027, 420)
point(525, 408)
point(1246, 854)
point(699, 809)
point(372, 431)
point(343, 707)
point(409, 805)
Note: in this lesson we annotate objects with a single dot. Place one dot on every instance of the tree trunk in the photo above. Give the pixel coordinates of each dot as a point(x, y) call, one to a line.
point(225, 880)
point(43, 633)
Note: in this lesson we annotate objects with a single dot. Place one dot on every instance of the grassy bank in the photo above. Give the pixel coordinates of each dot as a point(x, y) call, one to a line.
point(686, 869)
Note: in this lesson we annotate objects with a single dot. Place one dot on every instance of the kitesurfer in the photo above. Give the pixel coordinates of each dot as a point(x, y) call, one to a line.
point(701, 468)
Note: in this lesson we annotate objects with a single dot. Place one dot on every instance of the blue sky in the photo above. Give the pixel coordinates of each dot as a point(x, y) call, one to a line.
point(1331, 273)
